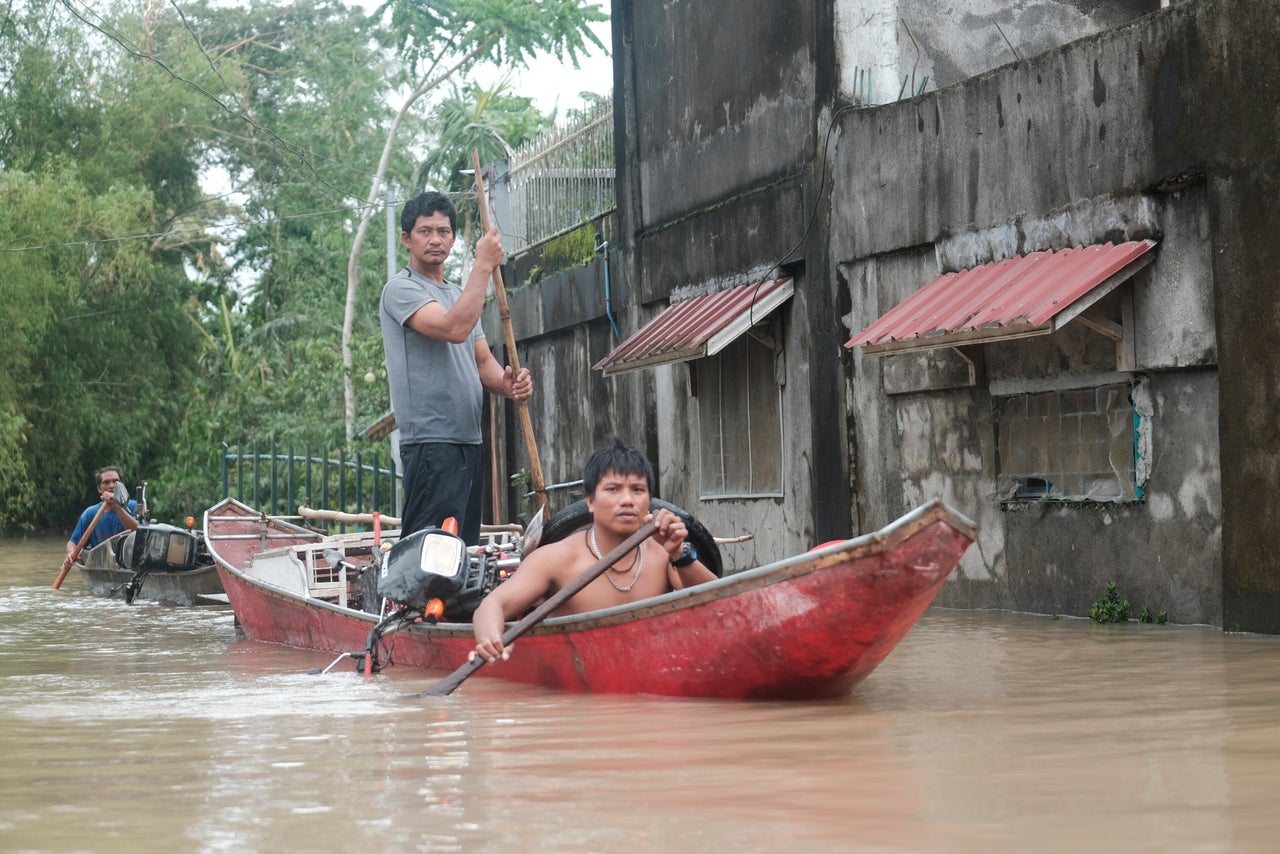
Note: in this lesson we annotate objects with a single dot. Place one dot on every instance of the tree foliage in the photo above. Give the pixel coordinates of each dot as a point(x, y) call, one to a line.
point(507, 32)
point(441, 39)
point(96, 179)
point(149, 320)
point(491, 121)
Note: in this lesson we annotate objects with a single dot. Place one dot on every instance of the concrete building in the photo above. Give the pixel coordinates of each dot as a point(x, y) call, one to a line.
point(792, 155)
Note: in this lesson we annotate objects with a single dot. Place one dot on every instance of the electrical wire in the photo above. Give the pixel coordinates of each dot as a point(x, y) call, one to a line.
point(813, 214)
point(304, 155)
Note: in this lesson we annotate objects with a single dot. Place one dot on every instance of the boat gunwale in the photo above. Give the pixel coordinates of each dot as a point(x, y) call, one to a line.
point(151, 573)
point(795, 566)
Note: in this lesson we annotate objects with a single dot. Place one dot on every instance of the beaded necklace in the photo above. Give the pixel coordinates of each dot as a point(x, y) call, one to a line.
point(637, 563)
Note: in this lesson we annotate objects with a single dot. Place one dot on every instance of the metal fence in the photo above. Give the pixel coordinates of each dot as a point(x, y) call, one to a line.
point(278, 481)
point(560, 179)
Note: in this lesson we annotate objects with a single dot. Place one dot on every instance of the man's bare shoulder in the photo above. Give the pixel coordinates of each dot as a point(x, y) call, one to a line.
point(554, 560)
point(560, 549)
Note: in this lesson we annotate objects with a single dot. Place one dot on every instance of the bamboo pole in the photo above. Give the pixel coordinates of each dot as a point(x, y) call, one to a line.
point(317, 514)
point(509, 335)
point(84, 538)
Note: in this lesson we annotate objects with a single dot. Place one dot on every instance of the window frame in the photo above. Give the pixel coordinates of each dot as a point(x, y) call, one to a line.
point(1023, 489)
point(767, 347)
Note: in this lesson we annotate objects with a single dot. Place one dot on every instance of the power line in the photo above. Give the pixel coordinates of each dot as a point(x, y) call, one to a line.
point(153, 235)
point(304, 155)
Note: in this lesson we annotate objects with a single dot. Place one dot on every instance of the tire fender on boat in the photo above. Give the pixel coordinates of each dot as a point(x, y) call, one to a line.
point(576, 517)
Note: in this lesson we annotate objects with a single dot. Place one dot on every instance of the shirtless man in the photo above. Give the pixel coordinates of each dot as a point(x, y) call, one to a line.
point(618, 481)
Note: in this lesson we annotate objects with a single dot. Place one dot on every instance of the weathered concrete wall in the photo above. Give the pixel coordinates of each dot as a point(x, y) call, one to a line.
point(728, 243)
point(718, 106)
point(722, 98)
point(892, 48)
point(1164, 128)
point(1038, 137)
point(719, 101)
point(1163, 554)
point(1133, 133)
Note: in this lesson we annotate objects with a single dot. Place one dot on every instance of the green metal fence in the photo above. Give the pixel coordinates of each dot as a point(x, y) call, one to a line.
point(278, 481)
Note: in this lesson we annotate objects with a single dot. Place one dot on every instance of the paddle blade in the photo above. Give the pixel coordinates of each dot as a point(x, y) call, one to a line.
point(62, 576)
point(532, 537)
point(446, 686)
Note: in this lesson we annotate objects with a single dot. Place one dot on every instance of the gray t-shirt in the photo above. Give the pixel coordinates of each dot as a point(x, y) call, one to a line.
point(435, 385)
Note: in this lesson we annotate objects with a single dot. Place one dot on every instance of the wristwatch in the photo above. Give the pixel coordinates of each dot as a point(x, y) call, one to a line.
point(687, 556)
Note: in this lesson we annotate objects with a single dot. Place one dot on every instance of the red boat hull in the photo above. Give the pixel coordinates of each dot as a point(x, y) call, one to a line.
point(810, 626)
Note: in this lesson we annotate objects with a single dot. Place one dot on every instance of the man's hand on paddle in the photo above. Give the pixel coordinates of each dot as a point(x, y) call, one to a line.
point(509, 599)
point(671, 532)
point(490, 648)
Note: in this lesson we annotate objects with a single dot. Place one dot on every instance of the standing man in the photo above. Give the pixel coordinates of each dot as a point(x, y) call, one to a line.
point(114, 519)
point(439, 366)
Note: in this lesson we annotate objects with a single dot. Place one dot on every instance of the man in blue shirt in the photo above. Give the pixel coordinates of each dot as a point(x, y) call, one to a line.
point(113, 520)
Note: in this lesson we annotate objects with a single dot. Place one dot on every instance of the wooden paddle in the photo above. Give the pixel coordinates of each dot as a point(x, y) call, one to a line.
point(75, 553)
point(509, 336)
point(445, 686)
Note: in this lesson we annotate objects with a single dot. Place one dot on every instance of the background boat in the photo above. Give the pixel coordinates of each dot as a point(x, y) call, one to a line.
point(164, 564)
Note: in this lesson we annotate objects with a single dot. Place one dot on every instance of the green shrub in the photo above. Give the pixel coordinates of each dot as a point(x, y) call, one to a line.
point(1110, 608)
point(1145, 616)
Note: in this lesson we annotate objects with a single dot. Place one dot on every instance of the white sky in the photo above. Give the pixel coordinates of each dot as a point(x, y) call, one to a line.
point(550, 83)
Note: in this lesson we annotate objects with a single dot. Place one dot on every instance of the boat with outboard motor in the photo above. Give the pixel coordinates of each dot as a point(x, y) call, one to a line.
point(154, 562)
point(809, 626)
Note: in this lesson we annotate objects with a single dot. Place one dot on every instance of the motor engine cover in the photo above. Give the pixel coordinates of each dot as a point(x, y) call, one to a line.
point(425, 565)
point(158, 548)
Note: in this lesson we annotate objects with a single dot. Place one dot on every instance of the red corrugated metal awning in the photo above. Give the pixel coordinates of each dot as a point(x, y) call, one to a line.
point(1021, 296)
point(697, 327)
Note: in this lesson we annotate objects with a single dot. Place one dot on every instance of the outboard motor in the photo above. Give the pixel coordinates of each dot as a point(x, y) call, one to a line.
point(433, 564)
point(427, 575)
point(154, 548)
point(158, 548)
point(426, 565)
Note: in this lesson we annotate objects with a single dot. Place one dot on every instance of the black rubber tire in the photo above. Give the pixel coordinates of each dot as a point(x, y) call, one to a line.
point(576, 517)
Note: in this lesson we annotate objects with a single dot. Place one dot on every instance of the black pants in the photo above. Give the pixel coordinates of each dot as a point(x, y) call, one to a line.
point(442, 480)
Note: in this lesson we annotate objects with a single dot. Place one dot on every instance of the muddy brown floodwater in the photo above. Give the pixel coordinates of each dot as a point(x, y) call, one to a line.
point(147, 728)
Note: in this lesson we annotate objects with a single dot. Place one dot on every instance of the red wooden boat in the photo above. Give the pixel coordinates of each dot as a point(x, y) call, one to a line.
point(809, 626)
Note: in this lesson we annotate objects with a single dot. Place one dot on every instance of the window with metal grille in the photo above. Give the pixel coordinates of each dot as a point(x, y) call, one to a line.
point(1071, 445)
point(740, 421)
